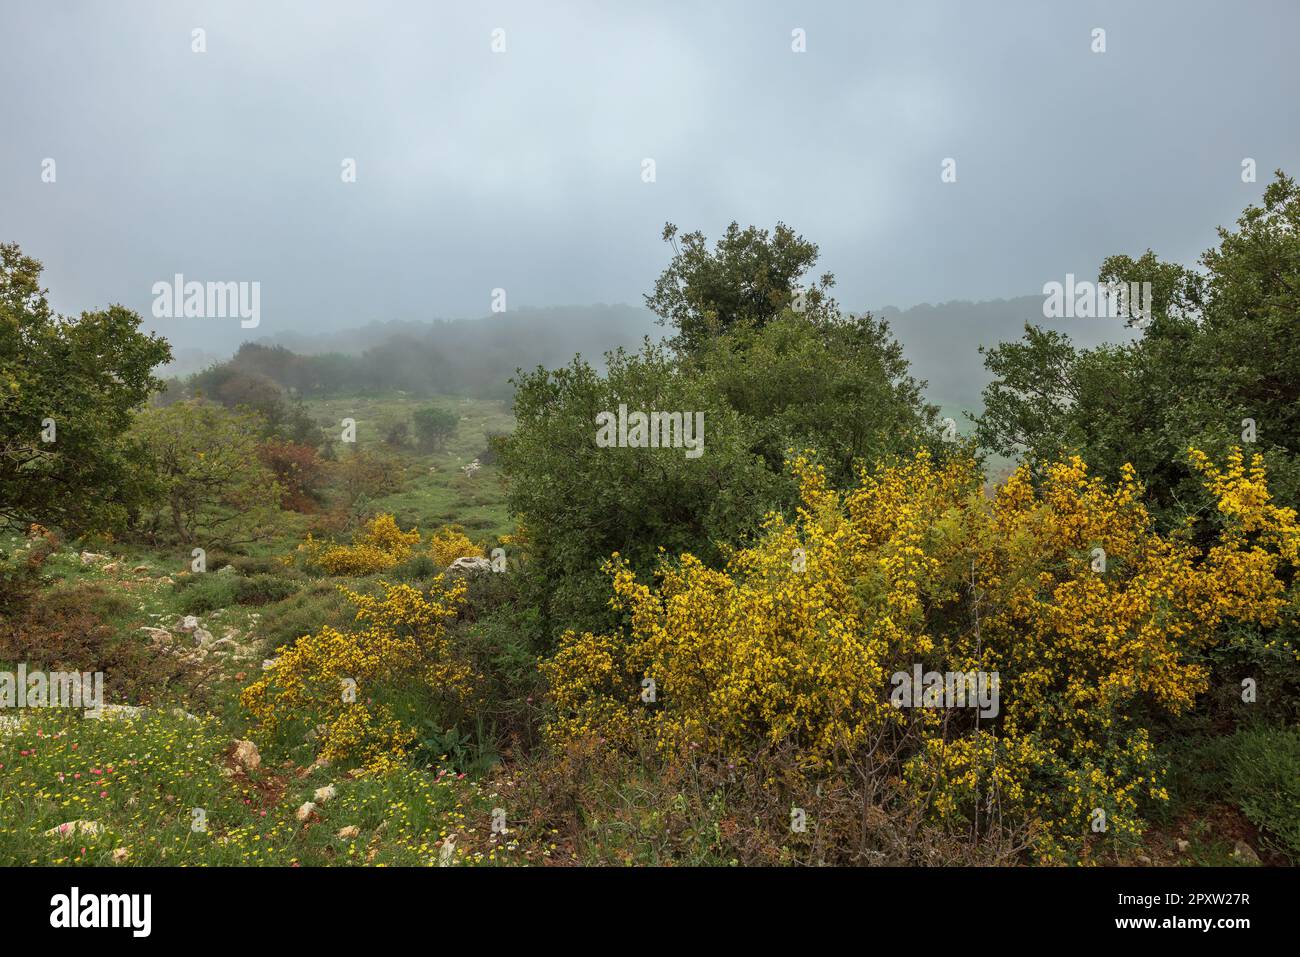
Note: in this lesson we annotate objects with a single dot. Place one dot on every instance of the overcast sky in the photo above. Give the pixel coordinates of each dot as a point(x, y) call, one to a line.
point(523, 170)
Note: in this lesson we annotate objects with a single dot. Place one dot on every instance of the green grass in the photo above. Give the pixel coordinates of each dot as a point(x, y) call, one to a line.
point(140, 780)
point(158, 787)
point(438, 492)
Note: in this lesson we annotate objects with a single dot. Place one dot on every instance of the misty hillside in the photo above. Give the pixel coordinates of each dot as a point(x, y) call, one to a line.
point(558, 331)
point(477, 357)
point(474, 357)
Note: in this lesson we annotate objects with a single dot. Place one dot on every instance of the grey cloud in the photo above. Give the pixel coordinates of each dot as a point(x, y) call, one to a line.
point(522, 170)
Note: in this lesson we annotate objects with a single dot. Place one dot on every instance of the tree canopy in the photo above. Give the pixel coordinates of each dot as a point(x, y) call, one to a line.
point(1215, 366)
point(748, 278)
point(68, 390)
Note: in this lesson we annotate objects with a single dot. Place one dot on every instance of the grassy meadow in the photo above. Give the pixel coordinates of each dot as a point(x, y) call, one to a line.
point(139, 777)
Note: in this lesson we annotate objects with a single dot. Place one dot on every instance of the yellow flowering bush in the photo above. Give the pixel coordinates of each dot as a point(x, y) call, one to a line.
point(450, 543)
point(517, 541)
point(1063, 589)
point(332, 680)
point(377, 547)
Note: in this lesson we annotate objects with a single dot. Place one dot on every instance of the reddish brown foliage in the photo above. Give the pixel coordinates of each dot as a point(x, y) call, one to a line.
point(298, 469)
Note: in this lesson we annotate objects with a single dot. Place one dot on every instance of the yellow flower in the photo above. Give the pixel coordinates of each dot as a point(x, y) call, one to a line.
point(915, 564)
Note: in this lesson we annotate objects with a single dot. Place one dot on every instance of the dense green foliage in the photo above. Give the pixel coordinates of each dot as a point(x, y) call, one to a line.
point(1222, 346)
point(579, 502)
point(839, 385)
point(210, 487)
point(747, 279)
point(1266, 780)
point(433, 426)
point(68, 388)
point(767, 379)
point(283, 416)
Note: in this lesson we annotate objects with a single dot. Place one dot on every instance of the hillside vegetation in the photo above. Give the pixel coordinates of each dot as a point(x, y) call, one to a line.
point(370, 609)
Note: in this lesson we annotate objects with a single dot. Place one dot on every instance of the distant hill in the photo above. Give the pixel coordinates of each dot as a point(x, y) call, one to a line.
point(473, 357)
point(942, 341)
point(558, 332)
point(478, 356)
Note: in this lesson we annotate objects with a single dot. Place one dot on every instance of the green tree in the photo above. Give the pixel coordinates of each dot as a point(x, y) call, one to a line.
point(210, 485)
point(839, 385)
point(397, 434)
point(1222, 346)
point(748, 278)
point(284, 416)
point(579, 502)
point(76, 383)
point(772, 366)
point(434, 426)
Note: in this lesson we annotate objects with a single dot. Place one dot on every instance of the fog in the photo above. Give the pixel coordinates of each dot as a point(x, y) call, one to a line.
point(522, 170)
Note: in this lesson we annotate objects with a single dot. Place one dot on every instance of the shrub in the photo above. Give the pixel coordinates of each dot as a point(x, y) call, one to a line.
point(382, 533)
point(211, 487)
point(434, 426)
point(316, 606)
point(20, 567)
point(582, 502)
point(1266, 781)
point(79, 627)
point(414, 568)
point(367, 474)
point(379, 546)
point(334, 678)
point(397, 435)
point(299, 471)
point(1196, 366)
point(263, 589)
point(838, 385)
point(651, 810)
point(492, 450)
point(200, 594)
point(358, 560)
point(797, 638)
point(450, 543)
point(258, 564)
point(283, 416)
